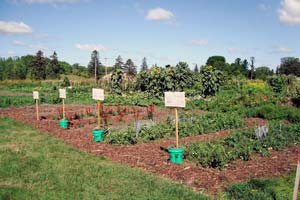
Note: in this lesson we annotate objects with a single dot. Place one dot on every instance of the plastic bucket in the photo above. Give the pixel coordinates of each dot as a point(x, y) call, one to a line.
point(98, 135)
point(176, 155)
point(63, 123)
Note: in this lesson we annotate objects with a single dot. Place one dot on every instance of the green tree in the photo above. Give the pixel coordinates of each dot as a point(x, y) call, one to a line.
point(262, 73)
point(39, 64)
point(129, 68)
point(94, 66)
point(196, 70)
point(144, 65)
point(53, 68)
point(218, 62)
point(289, 65)
point(119, 63)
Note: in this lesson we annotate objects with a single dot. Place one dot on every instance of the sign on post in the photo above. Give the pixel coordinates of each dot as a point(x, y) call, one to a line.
point(62, 93)
point(175, 99)
point(35, 95)
point(98, 94)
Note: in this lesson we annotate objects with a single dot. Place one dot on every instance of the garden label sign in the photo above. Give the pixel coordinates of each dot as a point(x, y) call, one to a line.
point(175, 100)
point(98, 94)
point(36, 98)
point(62, 95)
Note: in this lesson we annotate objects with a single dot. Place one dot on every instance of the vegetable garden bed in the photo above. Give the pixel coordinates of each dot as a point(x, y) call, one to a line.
point(152, 156)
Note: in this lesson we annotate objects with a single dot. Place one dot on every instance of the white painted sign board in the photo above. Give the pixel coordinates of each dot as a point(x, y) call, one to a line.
point(35, 95)
point(98, 94)
point(62, 93)
point(175, 99)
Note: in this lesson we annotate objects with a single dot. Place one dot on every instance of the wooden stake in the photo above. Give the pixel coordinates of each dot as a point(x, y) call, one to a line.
point(37, 109)
point(63, 101)
point(176, 124)
point(295, 194)
point(99, 105)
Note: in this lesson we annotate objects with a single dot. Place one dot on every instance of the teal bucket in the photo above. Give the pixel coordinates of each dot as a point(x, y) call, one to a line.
point(98, 135)
point(176, 155)
point(63, 123)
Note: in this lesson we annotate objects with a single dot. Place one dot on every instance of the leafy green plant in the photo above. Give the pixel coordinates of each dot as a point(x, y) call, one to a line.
point(116, 81)
point(211, 80)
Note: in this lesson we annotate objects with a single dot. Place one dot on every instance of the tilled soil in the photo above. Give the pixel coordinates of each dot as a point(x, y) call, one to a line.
point(153, 156)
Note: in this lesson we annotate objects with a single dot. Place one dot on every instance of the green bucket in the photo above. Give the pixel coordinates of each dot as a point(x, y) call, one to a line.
point(63, 123)
point(176, 155)
point(98, 135)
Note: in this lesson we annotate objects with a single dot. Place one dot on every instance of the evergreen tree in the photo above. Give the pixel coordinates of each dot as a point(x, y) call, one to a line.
point(144, 66)
point(196, 70)
point(129, 68)
point(119, 63)
point(54, 69)
point(94, 65)
point(39, 64)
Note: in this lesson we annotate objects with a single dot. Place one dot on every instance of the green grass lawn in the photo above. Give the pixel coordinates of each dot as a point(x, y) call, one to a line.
point(37, 166)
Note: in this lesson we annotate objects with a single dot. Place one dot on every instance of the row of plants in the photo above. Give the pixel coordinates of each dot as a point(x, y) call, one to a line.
point(241, 144)
point(190, 124)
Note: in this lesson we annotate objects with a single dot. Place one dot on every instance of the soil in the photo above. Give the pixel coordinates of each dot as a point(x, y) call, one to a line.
point(153, 156)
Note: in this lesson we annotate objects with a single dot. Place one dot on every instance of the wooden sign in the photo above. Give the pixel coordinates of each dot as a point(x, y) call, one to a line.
point(35, 95)
point(175, 99)
point(62, 93)
point(98, 94)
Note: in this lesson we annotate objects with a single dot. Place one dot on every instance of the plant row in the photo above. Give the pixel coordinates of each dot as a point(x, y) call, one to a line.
point(189, 125)
point(241, 144)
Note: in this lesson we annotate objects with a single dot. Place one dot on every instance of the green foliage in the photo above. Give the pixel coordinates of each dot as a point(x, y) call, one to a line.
point(290, 65)
point(66, 82)
point(211, 80)
point(241, 144)
point(116, 81)
point(277, 83)
point(277, 112)
point(121, 137)
point(262, 72)
point(39, 66)
point(272, 188)
point(218, 62)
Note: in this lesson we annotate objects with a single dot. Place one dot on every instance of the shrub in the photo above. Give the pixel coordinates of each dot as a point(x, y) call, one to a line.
point(211, 80)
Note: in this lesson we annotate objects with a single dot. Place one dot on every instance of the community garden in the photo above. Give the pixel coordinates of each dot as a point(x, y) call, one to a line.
point(238, 138)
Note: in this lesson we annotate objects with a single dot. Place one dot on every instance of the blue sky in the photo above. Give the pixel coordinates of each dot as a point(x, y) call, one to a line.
point(163, 31)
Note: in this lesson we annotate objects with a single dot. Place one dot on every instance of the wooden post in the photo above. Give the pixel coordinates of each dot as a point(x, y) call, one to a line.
point(63, 101)
point(99, 105)
point(296, 186)
point(37, 109)
point(176, 129)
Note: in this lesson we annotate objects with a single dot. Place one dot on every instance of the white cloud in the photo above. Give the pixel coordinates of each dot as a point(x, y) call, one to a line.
point(289, 12)
point(282, 50)
point(91, 47)
point(159, 14)
point(30, 46)
point(199, 42)
point(10, 52)
point(14, 27)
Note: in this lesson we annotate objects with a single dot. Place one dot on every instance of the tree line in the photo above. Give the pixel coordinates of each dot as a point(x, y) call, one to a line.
point(39, 67)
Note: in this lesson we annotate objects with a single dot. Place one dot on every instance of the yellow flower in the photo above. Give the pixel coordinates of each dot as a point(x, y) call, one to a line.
point(210, 67)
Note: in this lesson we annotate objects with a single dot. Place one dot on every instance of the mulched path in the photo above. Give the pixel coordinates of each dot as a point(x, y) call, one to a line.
point(153, 156)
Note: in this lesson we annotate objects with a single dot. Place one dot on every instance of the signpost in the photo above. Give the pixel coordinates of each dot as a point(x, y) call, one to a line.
point(63, 122)
point(36, 98)
point(175, 100)
point(62, 95)
point(98, 94)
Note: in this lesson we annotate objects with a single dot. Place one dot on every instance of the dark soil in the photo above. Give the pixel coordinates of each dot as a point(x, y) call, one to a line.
point(153, 156)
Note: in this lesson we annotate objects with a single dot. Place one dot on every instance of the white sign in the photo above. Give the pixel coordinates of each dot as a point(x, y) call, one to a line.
point(62, 93)
point(35, 95)
point(175, 99)
point(98, 94)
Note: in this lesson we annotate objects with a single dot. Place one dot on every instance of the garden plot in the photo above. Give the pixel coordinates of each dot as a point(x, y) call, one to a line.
point(152, 156)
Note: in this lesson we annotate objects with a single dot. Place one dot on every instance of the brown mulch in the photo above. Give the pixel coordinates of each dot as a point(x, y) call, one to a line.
point(153, 156)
